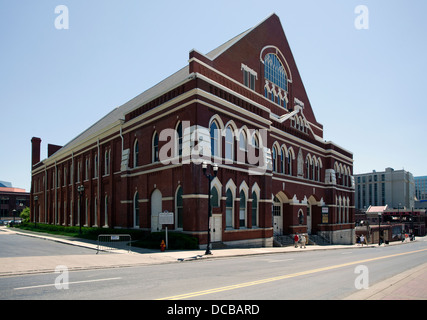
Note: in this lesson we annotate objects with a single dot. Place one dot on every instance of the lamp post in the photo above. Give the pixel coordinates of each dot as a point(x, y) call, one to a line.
point(379, 228)
point(81, 190)
point(210, 178)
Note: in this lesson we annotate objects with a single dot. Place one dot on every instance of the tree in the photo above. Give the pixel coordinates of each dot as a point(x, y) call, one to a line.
point(25, 214)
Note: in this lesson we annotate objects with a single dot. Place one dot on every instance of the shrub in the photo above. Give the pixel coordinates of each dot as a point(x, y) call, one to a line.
point(142, 239)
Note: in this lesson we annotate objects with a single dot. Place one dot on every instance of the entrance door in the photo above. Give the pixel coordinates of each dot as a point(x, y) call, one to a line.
point(216, 228)
point(156, 208)
point(277, 217)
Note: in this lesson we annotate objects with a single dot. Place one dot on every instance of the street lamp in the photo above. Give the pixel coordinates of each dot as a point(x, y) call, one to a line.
point(81, 190)
point(210, 178)
point(379, 228)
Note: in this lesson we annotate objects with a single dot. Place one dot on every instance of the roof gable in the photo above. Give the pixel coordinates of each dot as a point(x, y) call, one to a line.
point(249, 49)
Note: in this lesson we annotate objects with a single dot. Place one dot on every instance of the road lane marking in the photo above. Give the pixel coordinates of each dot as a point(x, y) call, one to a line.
point(288, 276)
point(276, 261)
point(68, 283)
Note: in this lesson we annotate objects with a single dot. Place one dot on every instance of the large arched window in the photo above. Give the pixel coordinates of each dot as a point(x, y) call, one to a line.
point(275, 72)
point(282, 160)
point(214, 198)
point(229, 209)
point(214, 132)
point(179, 137)
point(289, 163)
point(107, 162)
point(229, 143)
point(155, 147)
point(242, 211)
point(274, 158)
point(254, 209)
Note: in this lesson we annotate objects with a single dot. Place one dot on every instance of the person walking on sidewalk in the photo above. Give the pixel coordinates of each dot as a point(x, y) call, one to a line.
point(302, 241)
point(296, 239)
point(362, 239)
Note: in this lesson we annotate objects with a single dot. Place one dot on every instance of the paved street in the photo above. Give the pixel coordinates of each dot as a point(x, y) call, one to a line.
point(246, 274)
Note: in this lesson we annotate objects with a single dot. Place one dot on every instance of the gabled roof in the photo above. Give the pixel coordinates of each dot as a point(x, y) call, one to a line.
point(219, 50)
point(118, 114)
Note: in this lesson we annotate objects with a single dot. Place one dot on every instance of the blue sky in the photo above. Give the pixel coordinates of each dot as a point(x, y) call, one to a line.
point(365, 86)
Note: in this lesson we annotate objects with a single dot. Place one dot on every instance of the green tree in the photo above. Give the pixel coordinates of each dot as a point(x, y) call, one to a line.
point(25, 214)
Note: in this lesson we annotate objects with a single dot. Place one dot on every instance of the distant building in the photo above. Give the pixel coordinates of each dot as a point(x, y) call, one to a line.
point(12, 199)
point(394, 188)
point(421, 192)
point(5, 184)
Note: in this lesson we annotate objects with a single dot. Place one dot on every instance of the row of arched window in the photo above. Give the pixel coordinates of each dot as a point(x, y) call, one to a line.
point(343, 174)
point(342, 209)
point(243, 195)
point(155, 157)
point(66, 174)
point(283, 159)
point(299, 123)
point(236, 141)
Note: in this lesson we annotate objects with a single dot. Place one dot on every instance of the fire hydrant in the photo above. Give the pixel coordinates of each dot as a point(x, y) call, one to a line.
point(162, 246)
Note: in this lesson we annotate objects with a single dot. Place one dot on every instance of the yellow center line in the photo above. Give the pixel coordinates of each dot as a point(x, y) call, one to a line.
point(287, 276)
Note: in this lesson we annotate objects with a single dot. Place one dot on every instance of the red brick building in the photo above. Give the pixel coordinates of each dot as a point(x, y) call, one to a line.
point(242, 106)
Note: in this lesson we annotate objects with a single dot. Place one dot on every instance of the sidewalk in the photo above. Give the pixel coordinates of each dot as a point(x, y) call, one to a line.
point(408, 285)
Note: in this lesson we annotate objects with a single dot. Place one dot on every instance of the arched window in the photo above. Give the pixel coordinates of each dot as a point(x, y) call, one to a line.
point(135, 153)
point(254, 209)
point(274, 158)
point(179, 137)
point(300, 217)
point(229, 209)
point(214, 132)
point(275, 72)
point(229, 143)
point(136, 210)
point(289, 163)
point(87, 169)
point(255, 141)
point(155, 147)
point(179, 209)
point(243, 147)
point(107, 163)
point(282, 161)
point(242, 211)
point(214, 198)
point(95, 166)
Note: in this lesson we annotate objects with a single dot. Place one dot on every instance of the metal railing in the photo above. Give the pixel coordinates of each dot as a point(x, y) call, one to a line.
point(114, 242)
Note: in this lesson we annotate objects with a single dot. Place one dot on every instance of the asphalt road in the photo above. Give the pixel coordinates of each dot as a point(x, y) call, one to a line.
point(15, 245)
point(298, 276)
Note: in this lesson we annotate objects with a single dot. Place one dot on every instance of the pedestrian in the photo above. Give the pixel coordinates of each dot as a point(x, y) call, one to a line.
point(358, 240)
point(302, 241)
point(296, 239)
point(362, 239)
